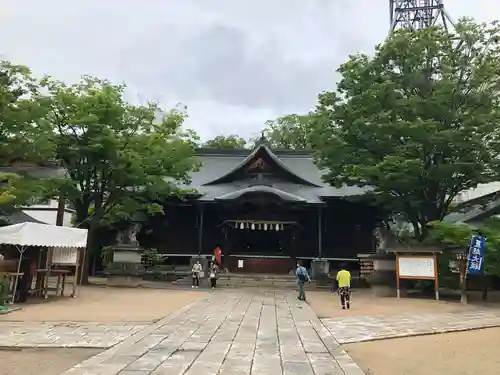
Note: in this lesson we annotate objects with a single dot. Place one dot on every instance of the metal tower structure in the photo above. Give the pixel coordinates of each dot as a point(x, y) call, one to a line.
point(418, 14)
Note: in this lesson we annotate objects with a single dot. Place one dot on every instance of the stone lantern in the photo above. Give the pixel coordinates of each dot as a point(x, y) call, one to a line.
point(127, 268)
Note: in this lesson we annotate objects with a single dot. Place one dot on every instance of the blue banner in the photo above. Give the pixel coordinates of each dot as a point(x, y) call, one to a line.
point(475, 261)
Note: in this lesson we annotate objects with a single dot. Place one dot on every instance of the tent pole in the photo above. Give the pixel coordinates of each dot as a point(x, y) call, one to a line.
point(14, 290)
point(48, 267)
point(77, 283)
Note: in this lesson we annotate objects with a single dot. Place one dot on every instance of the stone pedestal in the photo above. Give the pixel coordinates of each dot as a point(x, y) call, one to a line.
point(127, 269)
point(383, 278)
point(127, 281)
point(320, 270)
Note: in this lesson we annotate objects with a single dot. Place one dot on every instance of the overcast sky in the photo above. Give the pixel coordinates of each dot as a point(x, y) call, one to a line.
point(234, 63)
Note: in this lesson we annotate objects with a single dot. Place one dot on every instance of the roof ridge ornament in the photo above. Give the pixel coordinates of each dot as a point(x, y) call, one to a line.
point(262, 141)
point(256, 160)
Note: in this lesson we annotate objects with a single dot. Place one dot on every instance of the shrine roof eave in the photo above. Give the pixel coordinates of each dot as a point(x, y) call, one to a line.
point(19, 217)
point(414, 250)
point(330, 192)
point(474, 214)
point(283, 195)
point(249, 158)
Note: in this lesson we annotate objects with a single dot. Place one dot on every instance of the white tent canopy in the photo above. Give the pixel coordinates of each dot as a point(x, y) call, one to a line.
point(34, 234)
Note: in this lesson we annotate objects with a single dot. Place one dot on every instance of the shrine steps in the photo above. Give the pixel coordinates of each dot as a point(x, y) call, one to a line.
point(238, 280)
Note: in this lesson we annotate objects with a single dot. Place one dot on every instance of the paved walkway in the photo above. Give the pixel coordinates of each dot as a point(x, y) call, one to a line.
point(366, 328)
point(229, 333)
point(65, 335)
point(234, 333)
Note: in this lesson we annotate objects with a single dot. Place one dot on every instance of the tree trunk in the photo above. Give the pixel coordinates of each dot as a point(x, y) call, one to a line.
point(484, 295)
point(92, 247)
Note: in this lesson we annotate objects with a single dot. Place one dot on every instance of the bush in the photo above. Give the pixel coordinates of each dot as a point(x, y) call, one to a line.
point(4, 289)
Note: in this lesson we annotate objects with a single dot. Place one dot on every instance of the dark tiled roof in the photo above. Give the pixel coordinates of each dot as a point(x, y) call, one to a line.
point(216, 164)
point(35, 171)
point(475, 213)
point(19, 217)
point(261, 189)
point(262, 149)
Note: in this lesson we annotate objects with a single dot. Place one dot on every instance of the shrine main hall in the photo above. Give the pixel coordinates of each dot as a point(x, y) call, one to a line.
point(266, 209)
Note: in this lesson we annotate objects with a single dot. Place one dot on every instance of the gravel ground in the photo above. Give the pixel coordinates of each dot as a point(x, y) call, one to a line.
point(104, 304)
point(42, 361)
point(327, 305)
point(463, 353)
point(94, 304)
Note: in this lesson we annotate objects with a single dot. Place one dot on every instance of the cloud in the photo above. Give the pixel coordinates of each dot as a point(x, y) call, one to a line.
point(235, 64)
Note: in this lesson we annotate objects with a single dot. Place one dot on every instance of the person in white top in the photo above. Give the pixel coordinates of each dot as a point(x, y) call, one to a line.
point(195, 271)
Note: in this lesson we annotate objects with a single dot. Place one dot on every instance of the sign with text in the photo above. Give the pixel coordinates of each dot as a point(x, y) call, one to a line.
point(65, 255)
point(475, 261)
point(416, 267)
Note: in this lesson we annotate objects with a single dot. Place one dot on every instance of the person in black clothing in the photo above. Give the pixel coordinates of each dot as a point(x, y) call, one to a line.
point(213, 270)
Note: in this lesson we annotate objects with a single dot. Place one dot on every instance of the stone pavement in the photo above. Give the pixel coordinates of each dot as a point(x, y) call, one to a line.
point(65, 335)
point(229, 333)
point(366, 328)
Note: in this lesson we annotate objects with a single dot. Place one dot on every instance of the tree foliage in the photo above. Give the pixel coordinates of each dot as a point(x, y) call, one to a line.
point(226, 142)
point(290, 132)
point(417, 122)
point(460, 235)
point(20, 136)
point(114, 152)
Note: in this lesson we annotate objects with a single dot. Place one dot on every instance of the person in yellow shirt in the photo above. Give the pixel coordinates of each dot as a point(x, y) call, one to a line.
point(344, 287)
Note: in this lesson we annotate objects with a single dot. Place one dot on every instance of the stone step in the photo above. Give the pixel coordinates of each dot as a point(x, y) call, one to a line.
point(254, 281)
point(256, 276)
point(186, 281)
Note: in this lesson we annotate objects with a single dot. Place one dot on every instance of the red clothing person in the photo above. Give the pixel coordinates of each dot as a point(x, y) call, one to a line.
point(218, 255)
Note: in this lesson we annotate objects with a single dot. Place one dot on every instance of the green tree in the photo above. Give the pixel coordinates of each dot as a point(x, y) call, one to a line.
point(290, 132)
point(20, 136)
point(226, 142)
point(460, 235)
point(417, 122)
point(113, 151)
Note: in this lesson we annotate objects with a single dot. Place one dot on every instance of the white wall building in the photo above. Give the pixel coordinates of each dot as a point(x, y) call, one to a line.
point(46, 212)
point(480, 191)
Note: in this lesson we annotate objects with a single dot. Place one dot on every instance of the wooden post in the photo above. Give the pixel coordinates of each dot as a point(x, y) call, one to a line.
point(484, 294)
point(398, 290)
point(225, 251)
point(61, 205)
point(44, 290)
point(320, 232)
point(75, 277)
point(463, 280)
point(436, 280)
point(200, 230)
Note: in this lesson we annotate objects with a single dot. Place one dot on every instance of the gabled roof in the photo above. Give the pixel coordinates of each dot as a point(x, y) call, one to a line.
point(261, 151)
point(230, 164)
point(18, 217)
point(261, 189)
point(475, 213)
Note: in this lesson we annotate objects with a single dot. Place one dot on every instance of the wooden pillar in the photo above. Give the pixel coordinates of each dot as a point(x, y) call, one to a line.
point(61, 205)
point(436, 276)
point(200, 229)
point(225, 250)
point(463, 280)
point(320, 232)
point(398, 282)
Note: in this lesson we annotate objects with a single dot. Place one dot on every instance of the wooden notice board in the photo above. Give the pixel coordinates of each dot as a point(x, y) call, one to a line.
point(417, 267)
point(67, 257)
